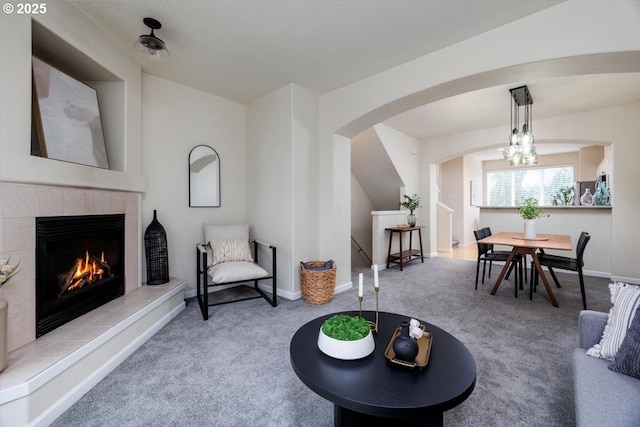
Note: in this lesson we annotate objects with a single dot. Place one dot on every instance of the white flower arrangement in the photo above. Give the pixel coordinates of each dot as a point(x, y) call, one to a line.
point(7, 271)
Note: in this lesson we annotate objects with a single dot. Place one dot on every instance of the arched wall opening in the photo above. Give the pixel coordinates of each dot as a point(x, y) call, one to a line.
point(434, 151)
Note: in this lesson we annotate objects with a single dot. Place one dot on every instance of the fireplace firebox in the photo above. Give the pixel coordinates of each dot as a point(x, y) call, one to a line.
point(79, 266)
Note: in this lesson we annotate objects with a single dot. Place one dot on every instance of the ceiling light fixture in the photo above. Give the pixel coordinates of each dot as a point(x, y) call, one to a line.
point(521, 151)
point(149, 46)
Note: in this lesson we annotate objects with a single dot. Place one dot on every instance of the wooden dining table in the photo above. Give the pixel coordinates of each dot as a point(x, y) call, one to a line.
point(522, 246)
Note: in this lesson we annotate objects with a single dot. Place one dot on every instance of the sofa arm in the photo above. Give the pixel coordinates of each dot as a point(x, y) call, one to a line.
point(590, 327)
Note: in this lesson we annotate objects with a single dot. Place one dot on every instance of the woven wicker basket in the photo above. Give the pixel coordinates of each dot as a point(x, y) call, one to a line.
point(318, 286)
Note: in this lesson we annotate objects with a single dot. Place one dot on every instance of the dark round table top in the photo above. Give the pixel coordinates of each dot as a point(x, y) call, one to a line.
point(372, 385)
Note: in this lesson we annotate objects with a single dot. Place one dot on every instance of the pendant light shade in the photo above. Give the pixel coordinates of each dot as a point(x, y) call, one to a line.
point(149, 46)
point(521, 151)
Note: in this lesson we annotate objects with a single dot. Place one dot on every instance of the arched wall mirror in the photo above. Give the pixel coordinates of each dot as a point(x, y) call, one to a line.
point(204, 177)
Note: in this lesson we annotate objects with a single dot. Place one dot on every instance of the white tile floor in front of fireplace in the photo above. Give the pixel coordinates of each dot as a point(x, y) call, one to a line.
point(51, 348)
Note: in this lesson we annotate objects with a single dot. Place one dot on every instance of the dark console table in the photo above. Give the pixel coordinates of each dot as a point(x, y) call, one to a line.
point(408, 255)
point(373, 392)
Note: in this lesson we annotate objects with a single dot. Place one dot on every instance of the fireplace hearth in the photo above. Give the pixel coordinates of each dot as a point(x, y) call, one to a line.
point(79, 266)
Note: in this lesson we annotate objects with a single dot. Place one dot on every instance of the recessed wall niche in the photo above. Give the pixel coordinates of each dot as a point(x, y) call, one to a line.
point(110, 89)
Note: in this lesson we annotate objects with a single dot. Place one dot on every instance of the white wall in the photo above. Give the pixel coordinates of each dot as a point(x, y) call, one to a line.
point(472, 171)
point(452, 193)
point(361, 222)
point(281, 178)
point(402, 150)
point(579, 37)
point(176, 118)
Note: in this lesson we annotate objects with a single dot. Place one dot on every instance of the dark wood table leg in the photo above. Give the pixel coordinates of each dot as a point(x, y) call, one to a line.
point(536, 261)
point(420, 237)
point(389, 253)
point(401, 254)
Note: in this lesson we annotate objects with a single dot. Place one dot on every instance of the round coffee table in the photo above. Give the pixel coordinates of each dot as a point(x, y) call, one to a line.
point(371, 391)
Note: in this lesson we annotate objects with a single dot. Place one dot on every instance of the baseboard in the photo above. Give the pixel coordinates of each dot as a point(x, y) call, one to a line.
point(632, 280)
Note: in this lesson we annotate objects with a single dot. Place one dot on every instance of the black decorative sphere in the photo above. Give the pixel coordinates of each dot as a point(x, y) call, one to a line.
point(405, 347)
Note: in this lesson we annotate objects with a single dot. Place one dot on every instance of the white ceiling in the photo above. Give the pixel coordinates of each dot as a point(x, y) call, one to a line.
point(244, 49)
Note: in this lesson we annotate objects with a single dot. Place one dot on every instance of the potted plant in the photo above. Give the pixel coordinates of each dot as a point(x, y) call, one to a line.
point(412, 203)
point(564, 196)
point(7, 271)
point(529, 211)
point(346, 337)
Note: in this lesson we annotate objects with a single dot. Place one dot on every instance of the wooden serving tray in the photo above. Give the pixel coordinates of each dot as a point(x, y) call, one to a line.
point(521, 237)
point(424, 350)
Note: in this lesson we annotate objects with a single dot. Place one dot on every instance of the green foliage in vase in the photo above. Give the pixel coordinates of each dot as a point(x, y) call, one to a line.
point(346, 328)
point(411, 203)
point(528, 208)
point(564, 196)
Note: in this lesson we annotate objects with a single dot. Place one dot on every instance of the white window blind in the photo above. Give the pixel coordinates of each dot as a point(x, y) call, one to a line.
point(508, 187)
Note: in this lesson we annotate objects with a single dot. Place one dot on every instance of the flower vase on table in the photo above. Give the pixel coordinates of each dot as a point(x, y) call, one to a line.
point(411, 220)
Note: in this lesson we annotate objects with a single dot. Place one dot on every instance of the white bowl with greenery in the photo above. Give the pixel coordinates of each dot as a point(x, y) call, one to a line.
point(346, 337)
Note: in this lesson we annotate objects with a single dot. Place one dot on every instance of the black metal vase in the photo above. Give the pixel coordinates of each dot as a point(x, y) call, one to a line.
point(155, 244)
point(405, 347)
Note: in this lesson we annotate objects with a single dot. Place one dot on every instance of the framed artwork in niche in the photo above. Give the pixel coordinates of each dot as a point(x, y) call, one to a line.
point(66, 118)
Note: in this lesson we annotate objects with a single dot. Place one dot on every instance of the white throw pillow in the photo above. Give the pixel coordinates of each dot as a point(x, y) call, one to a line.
point(230, 250)
point(234, 271)
point(625, 299)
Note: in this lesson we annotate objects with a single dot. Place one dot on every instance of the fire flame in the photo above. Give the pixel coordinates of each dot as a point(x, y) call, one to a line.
point(87, 271)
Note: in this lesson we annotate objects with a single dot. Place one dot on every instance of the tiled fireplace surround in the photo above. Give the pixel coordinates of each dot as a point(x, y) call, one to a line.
point(20, 205)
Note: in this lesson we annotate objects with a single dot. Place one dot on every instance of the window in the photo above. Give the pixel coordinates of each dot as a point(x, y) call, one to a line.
point(508, 187)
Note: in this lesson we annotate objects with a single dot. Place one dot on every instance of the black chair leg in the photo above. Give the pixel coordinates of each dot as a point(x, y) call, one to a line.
point(520, 263)
point(477, 272)
point(484, 267)
point(490, 266)
point(584, 297)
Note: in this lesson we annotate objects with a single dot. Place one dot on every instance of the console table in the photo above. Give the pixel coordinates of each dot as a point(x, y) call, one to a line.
point(371, 392)
point(404, 256)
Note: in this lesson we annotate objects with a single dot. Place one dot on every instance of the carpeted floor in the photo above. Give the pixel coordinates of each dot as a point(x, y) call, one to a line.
point(234, 369)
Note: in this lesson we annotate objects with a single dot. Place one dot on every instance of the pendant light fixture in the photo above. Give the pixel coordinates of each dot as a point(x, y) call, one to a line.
point(521, 151)
point(150, 46)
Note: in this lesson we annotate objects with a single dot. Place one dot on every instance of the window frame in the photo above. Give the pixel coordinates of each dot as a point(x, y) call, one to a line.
point(514, 170)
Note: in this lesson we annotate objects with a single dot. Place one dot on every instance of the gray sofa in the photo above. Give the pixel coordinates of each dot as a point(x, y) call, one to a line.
point(602, 397)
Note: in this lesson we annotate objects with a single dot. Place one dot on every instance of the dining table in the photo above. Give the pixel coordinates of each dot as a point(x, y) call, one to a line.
point(522, 246)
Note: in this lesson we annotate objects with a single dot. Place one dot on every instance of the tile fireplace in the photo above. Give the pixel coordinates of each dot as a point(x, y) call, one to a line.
point(79, 266)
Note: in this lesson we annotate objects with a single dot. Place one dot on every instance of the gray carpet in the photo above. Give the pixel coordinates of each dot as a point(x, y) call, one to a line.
point(234, 369)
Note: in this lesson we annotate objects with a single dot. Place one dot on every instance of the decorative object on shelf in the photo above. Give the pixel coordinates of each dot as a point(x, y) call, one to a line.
point(346, 337)
point(564, 196)
point(155, 244)
point(404, 346)
point(529, 211)
point(7, 271)
point(601, 197)
point(411, 203)
point(67, 118)
point(587, 198)
point(150, 46)
point(521, 151)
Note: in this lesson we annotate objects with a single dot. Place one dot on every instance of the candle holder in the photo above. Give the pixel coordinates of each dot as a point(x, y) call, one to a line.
point(372, 325)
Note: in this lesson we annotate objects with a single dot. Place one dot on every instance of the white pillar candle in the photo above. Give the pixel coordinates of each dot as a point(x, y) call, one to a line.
point(360, 288)
point(375, 275)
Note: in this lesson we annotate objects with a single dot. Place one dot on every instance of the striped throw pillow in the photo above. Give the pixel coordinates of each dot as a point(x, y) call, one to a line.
point(628, 357)
point(230, 250)
point(626, 300)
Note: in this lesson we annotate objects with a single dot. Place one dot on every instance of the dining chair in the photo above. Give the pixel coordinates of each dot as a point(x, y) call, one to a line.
point(523, 264)
point(485, 253)
point(565, 263)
